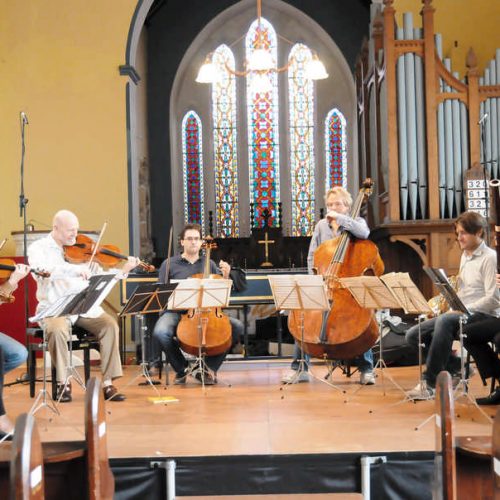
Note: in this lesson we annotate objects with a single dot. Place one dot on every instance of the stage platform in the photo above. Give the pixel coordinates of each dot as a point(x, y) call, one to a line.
point(248, 435)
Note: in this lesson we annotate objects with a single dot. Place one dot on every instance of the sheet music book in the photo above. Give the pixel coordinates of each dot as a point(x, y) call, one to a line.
point(78, 301)
point(390, 291)
point(214, 293)
point(299, 291)
point(439, 278)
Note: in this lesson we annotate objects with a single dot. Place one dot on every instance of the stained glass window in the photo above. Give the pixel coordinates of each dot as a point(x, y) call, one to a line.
point(225, 158)
point(192, 164)
point(336, 149)
point(263, 139)
point(301, 120)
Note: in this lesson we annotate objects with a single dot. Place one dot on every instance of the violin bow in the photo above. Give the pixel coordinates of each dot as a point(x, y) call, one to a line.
point(167, 270)
point(96, 246)
point(3, 243)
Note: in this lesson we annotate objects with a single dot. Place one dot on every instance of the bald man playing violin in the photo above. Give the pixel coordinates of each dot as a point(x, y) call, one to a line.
point(48, 253)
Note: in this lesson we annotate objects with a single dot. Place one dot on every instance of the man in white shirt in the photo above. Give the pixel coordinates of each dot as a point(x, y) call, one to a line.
point(478, 291)
point(48, 253)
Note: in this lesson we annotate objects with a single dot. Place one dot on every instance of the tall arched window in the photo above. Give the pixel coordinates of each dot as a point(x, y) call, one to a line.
point(336, 149)
point(192, 166)
point(263, 130)
point(225, 151)
point(301, 123)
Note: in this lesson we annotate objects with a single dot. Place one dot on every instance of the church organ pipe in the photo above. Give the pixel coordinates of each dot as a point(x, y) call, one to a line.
point(411, 132)
point(496, 164)
point(487, 125)
point(441, 141)
point(402, 144)
point(448, 148)
point(420, 118)
point(457, 153)
point(494, 118)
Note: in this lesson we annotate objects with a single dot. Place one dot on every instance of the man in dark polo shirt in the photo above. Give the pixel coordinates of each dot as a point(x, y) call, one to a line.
point(184, 266)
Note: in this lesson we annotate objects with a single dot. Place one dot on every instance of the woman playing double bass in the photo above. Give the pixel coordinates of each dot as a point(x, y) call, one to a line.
point(338, 205)
point(183, 266)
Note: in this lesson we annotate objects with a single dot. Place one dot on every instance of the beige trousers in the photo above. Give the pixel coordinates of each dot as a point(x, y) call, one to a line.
point(104, 328)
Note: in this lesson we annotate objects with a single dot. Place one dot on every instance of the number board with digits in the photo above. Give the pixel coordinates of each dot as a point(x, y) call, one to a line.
point(477, 193)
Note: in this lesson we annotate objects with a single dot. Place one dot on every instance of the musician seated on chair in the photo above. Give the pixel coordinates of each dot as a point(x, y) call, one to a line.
point(478, 291)
point(338, 205)
point(48, 253)
point(183, 266)
point(480, 335)
point(12, 353)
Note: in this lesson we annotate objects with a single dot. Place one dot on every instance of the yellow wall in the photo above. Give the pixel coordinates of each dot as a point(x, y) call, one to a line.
point(59, 63)
point(470, 23)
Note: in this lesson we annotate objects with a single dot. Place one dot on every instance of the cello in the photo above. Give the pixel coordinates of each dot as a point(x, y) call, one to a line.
point(347, 330)
point(206, 330)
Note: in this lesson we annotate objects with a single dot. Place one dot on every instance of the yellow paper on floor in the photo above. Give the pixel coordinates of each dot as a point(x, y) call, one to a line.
point(163, 399)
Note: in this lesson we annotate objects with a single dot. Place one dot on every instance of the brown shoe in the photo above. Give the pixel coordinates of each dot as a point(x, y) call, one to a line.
point(64, 393)
point(111, 394)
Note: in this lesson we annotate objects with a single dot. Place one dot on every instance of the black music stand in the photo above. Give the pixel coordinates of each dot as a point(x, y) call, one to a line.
point(75, 303)
point(146, 299)
point(200, 295)
point(300, 293)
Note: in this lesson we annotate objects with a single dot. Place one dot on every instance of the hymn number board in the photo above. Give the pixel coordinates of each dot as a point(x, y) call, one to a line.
point(477, 192)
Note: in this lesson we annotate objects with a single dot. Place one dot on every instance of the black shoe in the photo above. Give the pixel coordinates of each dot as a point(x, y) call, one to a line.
point(63, 394)
point(111, 394)
point(492, 399)
point(180, 378)
point(207, 378)
point(6, 436)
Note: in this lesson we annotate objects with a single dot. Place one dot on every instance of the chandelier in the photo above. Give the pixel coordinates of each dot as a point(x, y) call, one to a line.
point(260, 64)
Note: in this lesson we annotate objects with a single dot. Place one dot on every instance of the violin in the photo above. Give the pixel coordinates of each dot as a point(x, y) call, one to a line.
point(8, 266)
point(106, 255)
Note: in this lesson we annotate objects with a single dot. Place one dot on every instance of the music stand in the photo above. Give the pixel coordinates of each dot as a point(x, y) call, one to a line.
point(146, 299)
point(200, 295)
point(300, 293)
point(391, 291)
point(73, 304)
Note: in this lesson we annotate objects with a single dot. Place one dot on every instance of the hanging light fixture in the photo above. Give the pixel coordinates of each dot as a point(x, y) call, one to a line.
point(259, 64)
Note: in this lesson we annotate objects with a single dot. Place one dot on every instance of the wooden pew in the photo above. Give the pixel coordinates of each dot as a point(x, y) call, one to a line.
point(496, 456)
point(101, 479)
point(26, 461)
point(74, 470)
point(445, 482)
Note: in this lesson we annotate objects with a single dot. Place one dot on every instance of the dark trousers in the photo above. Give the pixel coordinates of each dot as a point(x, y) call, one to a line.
point(2, 408)
point(478, 336)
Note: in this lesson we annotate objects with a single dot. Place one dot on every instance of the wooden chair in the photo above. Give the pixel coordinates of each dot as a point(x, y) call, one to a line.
point(100, 477)
point(445, 481)
point(495, 456)
point(26, 462)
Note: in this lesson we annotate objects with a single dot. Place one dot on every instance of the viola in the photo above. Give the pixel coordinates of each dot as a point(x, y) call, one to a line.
point(215, 335)
point(8, 266)
point(106, 255)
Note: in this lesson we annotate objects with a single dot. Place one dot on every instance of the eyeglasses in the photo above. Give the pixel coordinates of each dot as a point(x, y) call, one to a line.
point(192, 238)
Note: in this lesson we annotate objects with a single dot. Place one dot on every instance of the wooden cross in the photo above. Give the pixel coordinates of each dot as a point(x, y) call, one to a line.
point(266, 241)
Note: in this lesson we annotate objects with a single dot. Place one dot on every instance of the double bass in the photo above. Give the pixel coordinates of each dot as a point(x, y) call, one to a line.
point(347, 330)
point(206, 330)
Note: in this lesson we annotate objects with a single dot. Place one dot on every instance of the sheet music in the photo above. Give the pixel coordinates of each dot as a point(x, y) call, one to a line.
point(406, 293)
point(79, 300)
point(371, 292)
point(214, 293)
point(292, 291)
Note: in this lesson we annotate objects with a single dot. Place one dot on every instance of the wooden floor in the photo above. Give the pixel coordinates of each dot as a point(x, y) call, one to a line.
point(248, 413)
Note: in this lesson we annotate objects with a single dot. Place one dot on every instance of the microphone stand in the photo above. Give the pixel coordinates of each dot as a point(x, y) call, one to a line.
point(23, 201)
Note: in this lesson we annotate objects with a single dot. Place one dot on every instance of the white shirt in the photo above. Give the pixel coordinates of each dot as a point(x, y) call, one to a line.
point(477, 281)
point(64, 279)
